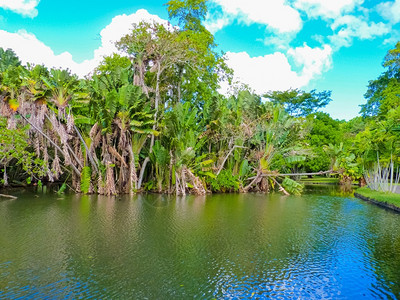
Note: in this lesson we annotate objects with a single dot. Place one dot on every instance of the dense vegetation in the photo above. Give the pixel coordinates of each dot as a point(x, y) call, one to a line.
point(151, 118)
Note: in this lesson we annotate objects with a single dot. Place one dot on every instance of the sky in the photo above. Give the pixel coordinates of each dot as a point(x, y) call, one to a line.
point(336, 45)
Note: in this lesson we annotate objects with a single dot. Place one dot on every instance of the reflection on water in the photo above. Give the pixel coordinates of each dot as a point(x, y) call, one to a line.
point(322, 244)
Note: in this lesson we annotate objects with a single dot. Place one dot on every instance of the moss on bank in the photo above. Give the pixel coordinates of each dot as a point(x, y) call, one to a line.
point(390, 200)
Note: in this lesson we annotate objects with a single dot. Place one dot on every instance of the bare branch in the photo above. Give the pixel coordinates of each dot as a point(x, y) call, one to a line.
point(226, 157)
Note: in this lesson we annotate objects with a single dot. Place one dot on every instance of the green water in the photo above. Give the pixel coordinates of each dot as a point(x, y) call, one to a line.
point(231, 246)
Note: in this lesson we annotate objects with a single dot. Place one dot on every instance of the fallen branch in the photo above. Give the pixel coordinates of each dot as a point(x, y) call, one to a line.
point(8, 196)
point(306, 174)
point(281, 187)
point(295, 174)
point(255, 180)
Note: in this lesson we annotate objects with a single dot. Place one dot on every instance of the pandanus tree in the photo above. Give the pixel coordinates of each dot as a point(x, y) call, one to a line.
point(121, 112)
point(44, 104)
point(28, 97)
point(62, 88)
point(15, 159)
point(184, 142)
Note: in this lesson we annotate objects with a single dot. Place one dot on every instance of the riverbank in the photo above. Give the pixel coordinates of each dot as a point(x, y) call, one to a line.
point(320, 180)
point(388, 200)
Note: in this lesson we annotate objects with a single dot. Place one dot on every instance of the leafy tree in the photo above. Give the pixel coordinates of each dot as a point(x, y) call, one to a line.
point(324, 131)
point(8, 58)
point(300, 103)
point(383, 93)
point(189, 13)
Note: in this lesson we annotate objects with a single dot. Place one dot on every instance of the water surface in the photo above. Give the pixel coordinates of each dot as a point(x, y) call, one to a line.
point(232, 246)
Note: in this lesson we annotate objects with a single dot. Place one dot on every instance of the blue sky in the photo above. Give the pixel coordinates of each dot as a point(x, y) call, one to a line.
point(335, 45)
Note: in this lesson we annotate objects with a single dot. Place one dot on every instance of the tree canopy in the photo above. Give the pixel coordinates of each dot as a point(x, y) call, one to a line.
point(299, 103)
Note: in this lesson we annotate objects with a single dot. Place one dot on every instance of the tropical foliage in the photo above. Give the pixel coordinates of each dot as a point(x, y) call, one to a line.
point(152, 119)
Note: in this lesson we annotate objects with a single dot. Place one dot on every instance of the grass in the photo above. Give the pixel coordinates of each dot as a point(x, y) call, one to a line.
point(320, 179)
point(385, 197)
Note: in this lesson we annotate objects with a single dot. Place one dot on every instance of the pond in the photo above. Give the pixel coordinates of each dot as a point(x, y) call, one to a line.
point(323, 244)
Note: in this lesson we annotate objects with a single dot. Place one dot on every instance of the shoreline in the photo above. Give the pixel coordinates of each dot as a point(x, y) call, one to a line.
point(363, 194)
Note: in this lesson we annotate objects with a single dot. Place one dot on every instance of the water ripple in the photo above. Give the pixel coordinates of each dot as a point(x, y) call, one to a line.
point(222, 246)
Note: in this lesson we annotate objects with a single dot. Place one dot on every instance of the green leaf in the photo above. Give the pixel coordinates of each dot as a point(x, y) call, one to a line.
point(85, 179)
point(207, 162)
point(136, 123)
point(62, 188)
point(292, 186)
point(78, 119)
point(208, 174)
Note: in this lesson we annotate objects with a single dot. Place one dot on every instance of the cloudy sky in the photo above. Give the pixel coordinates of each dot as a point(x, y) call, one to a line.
point(335, 45)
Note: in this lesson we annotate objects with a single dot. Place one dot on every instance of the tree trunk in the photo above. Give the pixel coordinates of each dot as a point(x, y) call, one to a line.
point(146, 160)
point(281, 187)
point(183, 182)
point(93, 160)
point(156, 103)
point(133, 180)
point(5, 179)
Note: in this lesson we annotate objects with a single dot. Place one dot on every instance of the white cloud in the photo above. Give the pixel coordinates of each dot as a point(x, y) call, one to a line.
point(327, 8)
point(29, 49)
point(263, 73)
point(217, 20)
point(280, 41)
point(23, 7)
point(349, 27)
point(390, 10)
point(274, 72)
point(120, 26)
point(275, 14)
point(393, 38)
point(314, 61)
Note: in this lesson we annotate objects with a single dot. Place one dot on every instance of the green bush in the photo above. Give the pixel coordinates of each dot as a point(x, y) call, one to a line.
point(15, 159)
point(224, 182)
